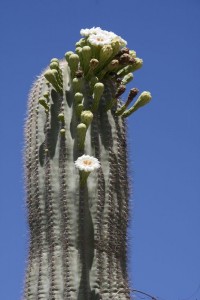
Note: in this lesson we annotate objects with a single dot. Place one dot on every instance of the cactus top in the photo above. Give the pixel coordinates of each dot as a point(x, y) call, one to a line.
point(101, 59)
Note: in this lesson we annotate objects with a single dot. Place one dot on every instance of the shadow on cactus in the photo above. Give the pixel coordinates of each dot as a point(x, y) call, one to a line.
point(76, 172)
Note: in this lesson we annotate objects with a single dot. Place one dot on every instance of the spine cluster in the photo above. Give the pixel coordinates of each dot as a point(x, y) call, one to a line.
point(76, 169)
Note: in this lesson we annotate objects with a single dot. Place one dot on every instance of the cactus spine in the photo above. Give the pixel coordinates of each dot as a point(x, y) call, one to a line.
point(76, 172)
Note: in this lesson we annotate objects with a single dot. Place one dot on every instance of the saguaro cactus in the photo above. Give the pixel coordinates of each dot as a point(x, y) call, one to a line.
point(76, 172)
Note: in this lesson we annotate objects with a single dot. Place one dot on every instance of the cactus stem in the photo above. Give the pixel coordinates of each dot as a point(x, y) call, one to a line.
point(78, 218)
point(110, 103)
point(83, 178)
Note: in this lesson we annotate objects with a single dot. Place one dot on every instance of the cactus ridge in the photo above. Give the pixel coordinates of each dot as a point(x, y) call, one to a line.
point(78, 216)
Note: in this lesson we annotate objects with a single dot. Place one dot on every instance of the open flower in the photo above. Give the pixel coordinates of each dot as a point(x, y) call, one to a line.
point(87, 163)
point(99, 39)
point(86, 32)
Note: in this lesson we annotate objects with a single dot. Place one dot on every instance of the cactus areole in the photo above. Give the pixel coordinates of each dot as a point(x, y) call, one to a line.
point(76, 172)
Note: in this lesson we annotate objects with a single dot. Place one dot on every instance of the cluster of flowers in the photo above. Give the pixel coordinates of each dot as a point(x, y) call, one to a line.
point(97, 36)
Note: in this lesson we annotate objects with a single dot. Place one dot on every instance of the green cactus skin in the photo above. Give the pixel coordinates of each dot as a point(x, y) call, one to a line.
point(77, 232)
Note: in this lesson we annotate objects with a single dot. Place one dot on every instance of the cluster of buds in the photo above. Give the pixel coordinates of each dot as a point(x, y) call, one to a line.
point(99, 55)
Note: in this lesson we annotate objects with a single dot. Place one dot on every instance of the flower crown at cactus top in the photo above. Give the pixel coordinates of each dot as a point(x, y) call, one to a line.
point(99, 37)
point(100, 59)
point(87, 163)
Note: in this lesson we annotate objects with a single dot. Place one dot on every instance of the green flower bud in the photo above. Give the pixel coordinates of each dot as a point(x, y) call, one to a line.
point(78, 51)
point(81, 133)
point(62, 131)
point(61, 117)
point(132, 53)
point(86, 117)
point(143, 99)
point(51, 76)
point(55, 60)
point(93, 63)
point(73, 63)
point(78, 97)
point(93, 66)
point(105, 53)
point(138, 64)
point(46, 95)
point(111, 67)
point(54, 65)
point(124, 71)
point(43, 102)
point(135, 65)
point(67, 55)
point(97, 93)
point(86, 56)
point(127, 78)
point(82, 42)
point(116, 46)
point(77, 85)
point(58, 77)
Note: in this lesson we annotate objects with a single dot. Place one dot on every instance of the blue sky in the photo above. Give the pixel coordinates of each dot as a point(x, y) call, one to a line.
point(164, 139)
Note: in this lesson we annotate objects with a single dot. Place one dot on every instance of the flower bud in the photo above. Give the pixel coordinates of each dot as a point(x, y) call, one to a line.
point(97, 93)
point(43, 102)
point(51, 76)
point(86, 117)
point(143, 99)
point(127, 78)
point(73, 63)
point(67, 55)
point(105, 53)
point(81, 133)
point(93, 63)
point(86, 57)
point(61, 117)
point(77, 84)
point(78, 97)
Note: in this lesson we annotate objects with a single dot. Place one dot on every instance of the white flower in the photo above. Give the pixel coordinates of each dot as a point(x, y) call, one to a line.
point(99, 39)
point(86, 32)
point(98, 36)
point(123, 43)
point(87, 163)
